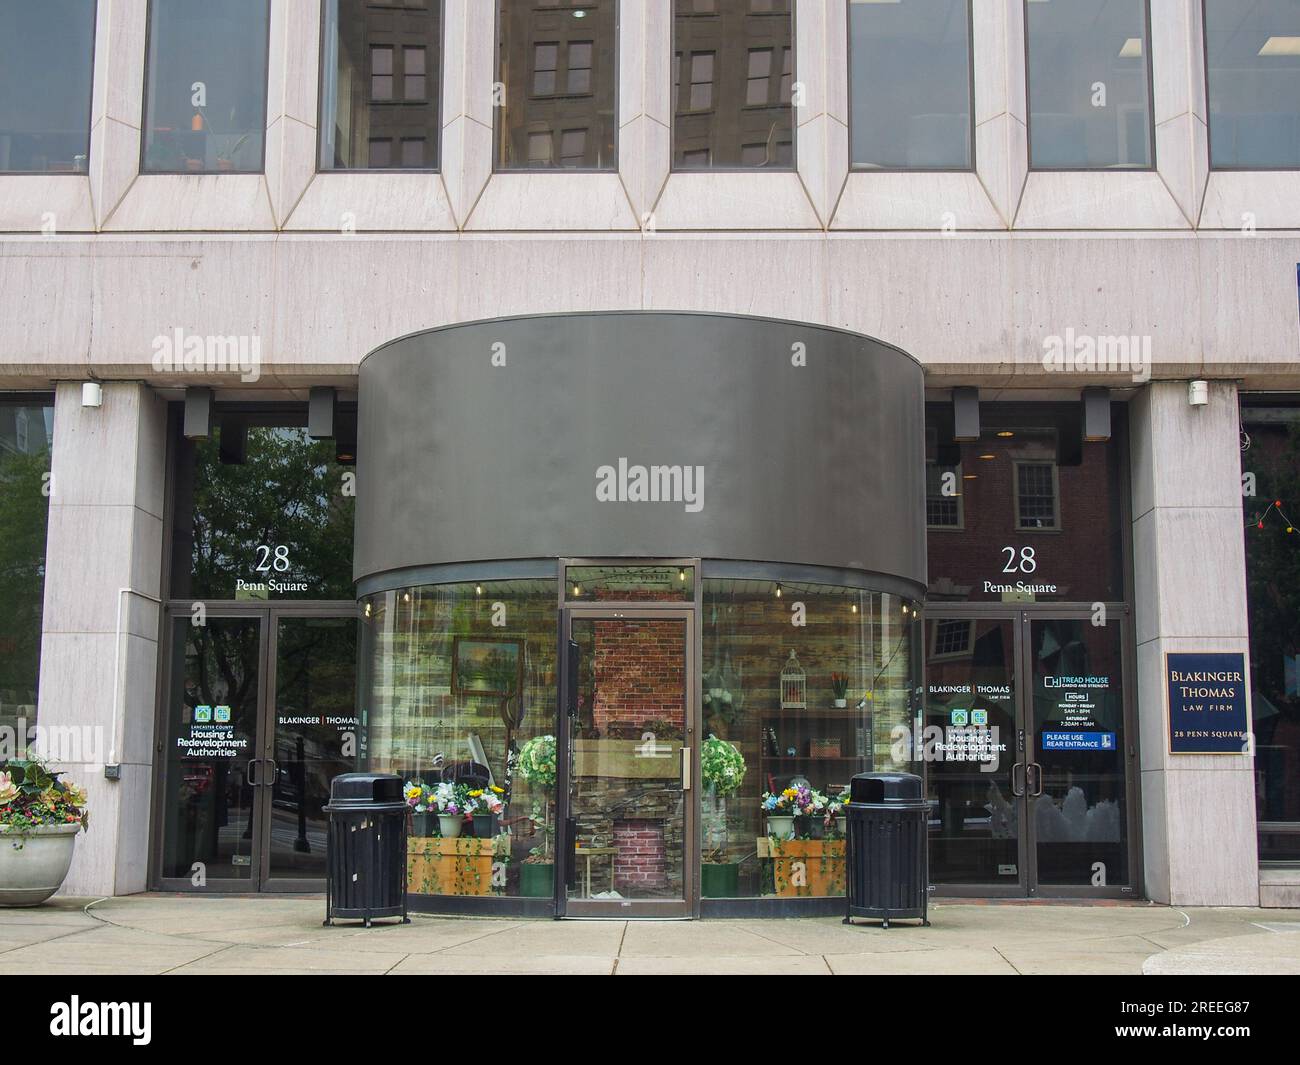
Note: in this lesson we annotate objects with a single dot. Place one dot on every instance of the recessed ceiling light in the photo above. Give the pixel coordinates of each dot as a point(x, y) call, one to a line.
point(969, 476)
point(1132, 49)
point(986, 458)
point(1281, 46)
point(1006, 434)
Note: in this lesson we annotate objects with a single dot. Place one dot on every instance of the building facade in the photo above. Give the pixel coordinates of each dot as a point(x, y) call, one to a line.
point(646, 412)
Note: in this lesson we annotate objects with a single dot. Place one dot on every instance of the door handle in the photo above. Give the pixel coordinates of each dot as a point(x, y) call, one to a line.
point(1036, 782)
point(686, 768)
point(570, 851)
point(275, 770)
point(248, 772)
point(572, 662)
point(1018, 779)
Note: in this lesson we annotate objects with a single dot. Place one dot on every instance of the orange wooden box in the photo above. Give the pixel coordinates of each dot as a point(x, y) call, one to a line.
point(462, 866)
point(805, 868)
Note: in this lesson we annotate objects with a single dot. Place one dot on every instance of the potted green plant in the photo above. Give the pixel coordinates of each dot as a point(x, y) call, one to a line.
point(40, 816)
point(840, 689)
point(537, 767)
point(722, 771)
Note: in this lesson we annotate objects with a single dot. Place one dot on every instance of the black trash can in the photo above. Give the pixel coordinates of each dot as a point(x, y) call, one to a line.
point(888, 869)
point(366, 857)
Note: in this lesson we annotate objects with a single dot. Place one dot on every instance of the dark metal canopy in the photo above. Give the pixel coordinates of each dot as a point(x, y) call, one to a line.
point(641, 435)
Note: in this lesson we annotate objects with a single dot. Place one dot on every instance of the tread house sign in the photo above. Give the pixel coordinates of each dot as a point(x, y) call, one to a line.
point(1207, 703)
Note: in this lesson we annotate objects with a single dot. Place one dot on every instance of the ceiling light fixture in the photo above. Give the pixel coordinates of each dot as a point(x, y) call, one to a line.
point(1281, 46)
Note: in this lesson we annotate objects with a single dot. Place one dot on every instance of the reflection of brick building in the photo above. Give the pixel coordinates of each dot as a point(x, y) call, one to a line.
point(558, 65)
point(1026, 494)
point(732, 79)
point(387, 81)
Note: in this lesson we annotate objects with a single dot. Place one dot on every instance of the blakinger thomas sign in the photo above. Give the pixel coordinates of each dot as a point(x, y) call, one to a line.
point(1207, 703)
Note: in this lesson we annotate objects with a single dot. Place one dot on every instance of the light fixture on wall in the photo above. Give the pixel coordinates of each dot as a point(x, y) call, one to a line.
point(1198, 393)
point(92, 395)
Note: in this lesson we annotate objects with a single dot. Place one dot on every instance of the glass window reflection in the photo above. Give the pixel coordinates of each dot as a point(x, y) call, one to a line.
point(558, 65)
point(733, 77)
point(46, 67)
point(205, 87)
point(380, 81)
point(26, 437)
point(1253, 73)
point(1089, 84)
point(910, 85)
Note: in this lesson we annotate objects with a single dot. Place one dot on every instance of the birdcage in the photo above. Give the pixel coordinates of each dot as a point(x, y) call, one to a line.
point(794, 685)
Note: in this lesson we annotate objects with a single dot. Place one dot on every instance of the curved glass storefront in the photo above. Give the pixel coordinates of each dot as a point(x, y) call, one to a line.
point(712, 731)
point(639, 599)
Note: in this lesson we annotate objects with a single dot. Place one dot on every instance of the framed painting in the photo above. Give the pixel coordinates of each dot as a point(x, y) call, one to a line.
point(485, 666)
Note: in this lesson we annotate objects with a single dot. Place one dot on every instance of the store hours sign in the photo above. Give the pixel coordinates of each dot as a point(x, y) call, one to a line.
point(1207, 703)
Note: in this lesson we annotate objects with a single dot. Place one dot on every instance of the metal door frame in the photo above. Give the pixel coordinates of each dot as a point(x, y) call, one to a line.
point(688, 905)
point(1021, 616)
point(267, 615)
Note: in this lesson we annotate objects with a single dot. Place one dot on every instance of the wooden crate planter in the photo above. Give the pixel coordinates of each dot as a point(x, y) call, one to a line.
point(462, 866)
point(804, 868)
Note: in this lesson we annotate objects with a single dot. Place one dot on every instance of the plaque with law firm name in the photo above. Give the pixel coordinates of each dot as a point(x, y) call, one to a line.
point(1207, 703)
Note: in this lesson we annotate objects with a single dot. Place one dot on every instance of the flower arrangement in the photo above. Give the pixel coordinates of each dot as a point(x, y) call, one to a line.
point(32, 796)
point(485, 800)
point(722, 766)
point(794, 802)
point(419, 797)
point(840, 685)
point(451, 800)
point(537, 761)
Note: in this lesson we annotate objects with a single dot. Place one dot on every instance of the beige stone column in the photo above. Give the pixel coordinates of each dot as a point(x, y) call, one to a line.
point(99, 650)
point(1198, 811)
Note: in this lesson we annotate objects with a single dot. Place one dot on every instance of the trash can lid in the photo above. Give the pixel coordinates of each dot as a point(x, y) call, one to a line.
point(365, 789)
point(886, 788)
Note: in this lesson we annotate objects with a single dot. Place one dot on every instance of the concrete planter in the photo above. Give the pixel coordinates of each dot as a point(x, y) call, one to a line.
point(34, 862)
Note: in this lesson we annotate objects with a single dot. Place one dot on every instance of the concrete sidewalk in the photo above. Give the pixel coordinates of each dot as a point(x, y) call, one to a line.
point(149, 934)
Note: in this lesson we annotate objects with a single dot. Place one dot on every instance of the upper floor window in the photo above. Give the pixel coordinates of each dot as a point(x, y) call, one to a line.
point(733, 82)
point(1253, 72)
point(380, 79)
point(1089, 84)
point(910, 85)
point(46, 64)
point(205, 86)
point(557, 63)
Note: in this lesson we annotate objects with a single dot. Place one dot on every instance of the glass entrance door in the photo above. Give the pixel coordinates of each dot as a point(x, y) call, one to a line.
point(627, 745)
point(1079, 756)
point(260, 717)
point(311, 738)
point(973, 748)
point(1028, 756)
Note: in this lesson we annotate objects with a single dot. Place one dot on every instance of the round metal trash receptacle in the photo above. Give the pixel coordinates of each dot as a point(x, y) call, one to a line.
point(888, 866)
point(366, 860)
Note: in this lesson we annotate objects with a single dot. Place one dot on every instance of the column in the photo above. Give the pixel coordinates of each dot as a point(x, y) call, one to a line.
point(99, 650)
point(1198, 811)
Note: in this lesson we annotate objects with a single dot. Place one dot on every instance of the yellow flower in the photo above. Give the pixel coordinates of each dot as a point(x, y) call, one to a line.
point(476, 793)
point(790, 793)
point(499, 791)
